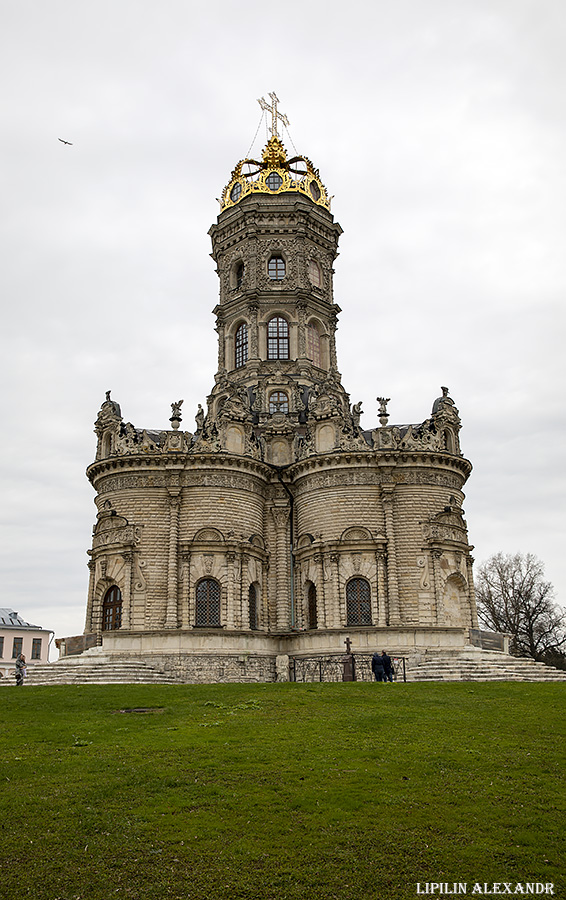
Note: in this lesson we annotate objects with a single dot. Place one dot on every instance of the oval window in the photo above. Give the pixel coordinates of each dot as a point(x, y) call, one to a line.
point(235, 192)
point(315, 190)
point(273, 181)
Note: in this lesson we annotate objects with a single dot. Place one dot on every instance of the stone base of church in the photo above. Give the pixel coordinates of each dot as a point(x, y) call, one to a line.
point(215, 655)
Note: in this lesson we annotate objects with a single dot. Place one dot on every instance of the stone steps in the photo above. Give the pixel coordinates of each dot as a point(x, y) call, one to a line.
point(96, 667)
point(485, 666)
point(100, 671)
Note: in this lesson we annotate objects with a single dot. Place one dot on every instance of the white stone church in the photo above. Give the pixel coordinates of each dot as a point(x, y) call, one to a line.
point(279, 527)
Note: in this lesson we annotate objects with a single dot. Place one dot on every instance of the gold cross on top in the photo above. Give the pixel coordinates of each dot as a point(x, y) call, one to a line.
point(275, 114)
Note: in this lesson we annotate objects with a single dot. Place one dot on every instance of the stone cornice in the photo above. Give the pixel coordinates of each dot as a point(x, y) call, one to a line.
point(167, 462)
point(393, 459)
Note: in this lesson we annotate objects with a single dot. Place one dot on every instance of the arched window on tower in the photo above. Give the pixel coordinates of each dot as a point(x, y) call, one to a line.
point(278, 402)
point(313, 345)
point(207, 604)
point(276, 268)
point(277, 338)
point(252, 598)
point(358, 602)
point(315, 275)
point(312, 609)
point(112, 609)
point(241, 346)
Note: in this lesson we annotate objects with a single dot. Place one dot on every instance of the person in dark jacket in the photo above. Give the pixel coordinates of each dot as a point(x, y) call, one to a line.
point(20, 669)
point(387, 666)
point(377, 667)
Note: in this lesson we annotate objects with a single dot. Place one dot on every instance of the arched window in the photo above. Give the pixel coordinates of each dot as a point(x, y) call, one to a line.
point(315, 275)
point(278, 402)
point(277, 338)
point(449, 442)
point(276, 268)
point(312, 611)
point(112, 609)
point(208, 604)
point(107, 445)
point(241, 345)
point(240, 269)
point(358, 602)
point(252, 594)
point(313, 345)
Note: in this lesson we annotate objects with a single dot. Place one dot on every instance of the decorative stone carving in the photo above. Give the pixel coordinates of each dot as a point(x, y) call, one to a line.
point(422, 563)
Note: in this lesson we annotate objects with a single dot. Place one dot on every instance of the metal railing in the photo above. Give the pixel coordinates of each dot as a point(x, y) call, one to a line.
point(345, 667)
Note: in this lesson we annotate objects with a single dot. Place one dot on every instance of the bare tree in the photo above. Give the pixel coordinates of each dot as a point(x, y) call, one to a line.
point(513, 597)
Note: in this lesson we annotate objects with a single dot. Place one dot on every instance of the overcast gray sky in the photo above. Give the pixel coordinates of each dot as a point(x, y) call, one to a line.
point(438, 125)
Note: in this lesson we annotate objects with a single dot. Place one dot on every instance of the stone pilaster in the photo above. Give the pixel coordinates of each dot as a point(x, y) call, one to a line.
point(171, 616)
point(380, 559)
point(321, 602)
point(302, 337)
point(128, 558)
point(436, 556)
point(253, 334)
point(220, 330)
point(91, 583)
point(185, 589)
point(392, 574)
point(338, 606)
point(332, 326)
point(243, 589)
point(230, 592)
point(281, 519)
point(471, 591)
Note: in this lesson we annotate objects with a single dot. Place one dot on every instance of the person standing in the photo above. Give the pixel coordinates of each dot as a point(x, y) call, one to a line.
point(377, 667)
point(20, 669)
point(387, 667)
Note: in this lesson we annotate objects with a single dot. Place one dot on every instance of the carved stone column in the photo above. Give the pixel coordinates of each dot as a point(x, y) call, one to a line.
point(281, 519)
point(128, 557)
point(332, 326)
point(220, 330)
point(264, 620)
point(436, 556)
point(392, 576)
point(471, 591)
point(302, 335)
point(91, 581)
point(185, 589)
point(244, 605)
point(321, 601)
point(380, 558)
point(230, 560)
point(253, 349)
point(338, 605)
point(171, 620)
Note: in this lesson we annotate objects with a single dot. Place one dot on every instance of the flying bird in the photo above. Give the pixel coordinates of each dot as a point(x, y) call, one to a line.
point(65, 142)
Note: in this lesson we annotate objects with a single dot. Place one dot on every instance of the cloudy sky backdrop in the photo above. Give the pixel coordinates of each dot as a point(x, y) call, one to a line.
point(438, 125)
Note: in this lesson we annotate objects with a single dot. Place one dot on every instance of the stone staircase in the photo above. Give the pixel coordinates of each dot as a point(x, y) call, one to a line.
point(85, 669)
point(96, 667)
point(481, 665)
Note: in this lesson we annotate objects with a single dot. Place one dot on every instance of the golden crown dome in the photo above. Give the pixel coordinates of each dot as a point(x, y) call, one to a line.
point(275, 174)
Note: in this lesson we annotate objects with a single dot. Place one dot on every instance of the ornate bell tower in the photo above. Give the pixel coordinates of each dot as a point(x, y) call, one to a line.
point(274, 244)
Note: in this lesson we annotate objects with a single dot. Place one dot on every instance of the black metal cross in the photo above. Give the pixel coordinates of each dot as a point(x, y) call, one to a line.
point(348, 645)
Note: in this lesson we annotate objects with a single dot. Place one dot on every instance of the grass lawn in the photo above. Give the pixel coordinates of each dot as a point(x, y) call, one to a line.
point(280, 791)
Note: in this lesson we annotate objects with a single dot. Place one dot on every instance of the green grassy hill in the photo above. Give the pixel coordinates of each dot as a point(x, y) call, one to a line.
point(281, 791)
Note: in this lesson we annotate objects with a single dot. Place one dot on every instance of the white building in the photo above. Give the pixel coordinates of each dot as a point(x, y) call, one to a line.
point(18, 636)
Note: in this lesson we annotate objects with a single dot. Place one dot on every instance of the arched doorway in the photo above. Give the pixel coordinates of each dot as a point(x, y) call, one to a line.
point(112, 609)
